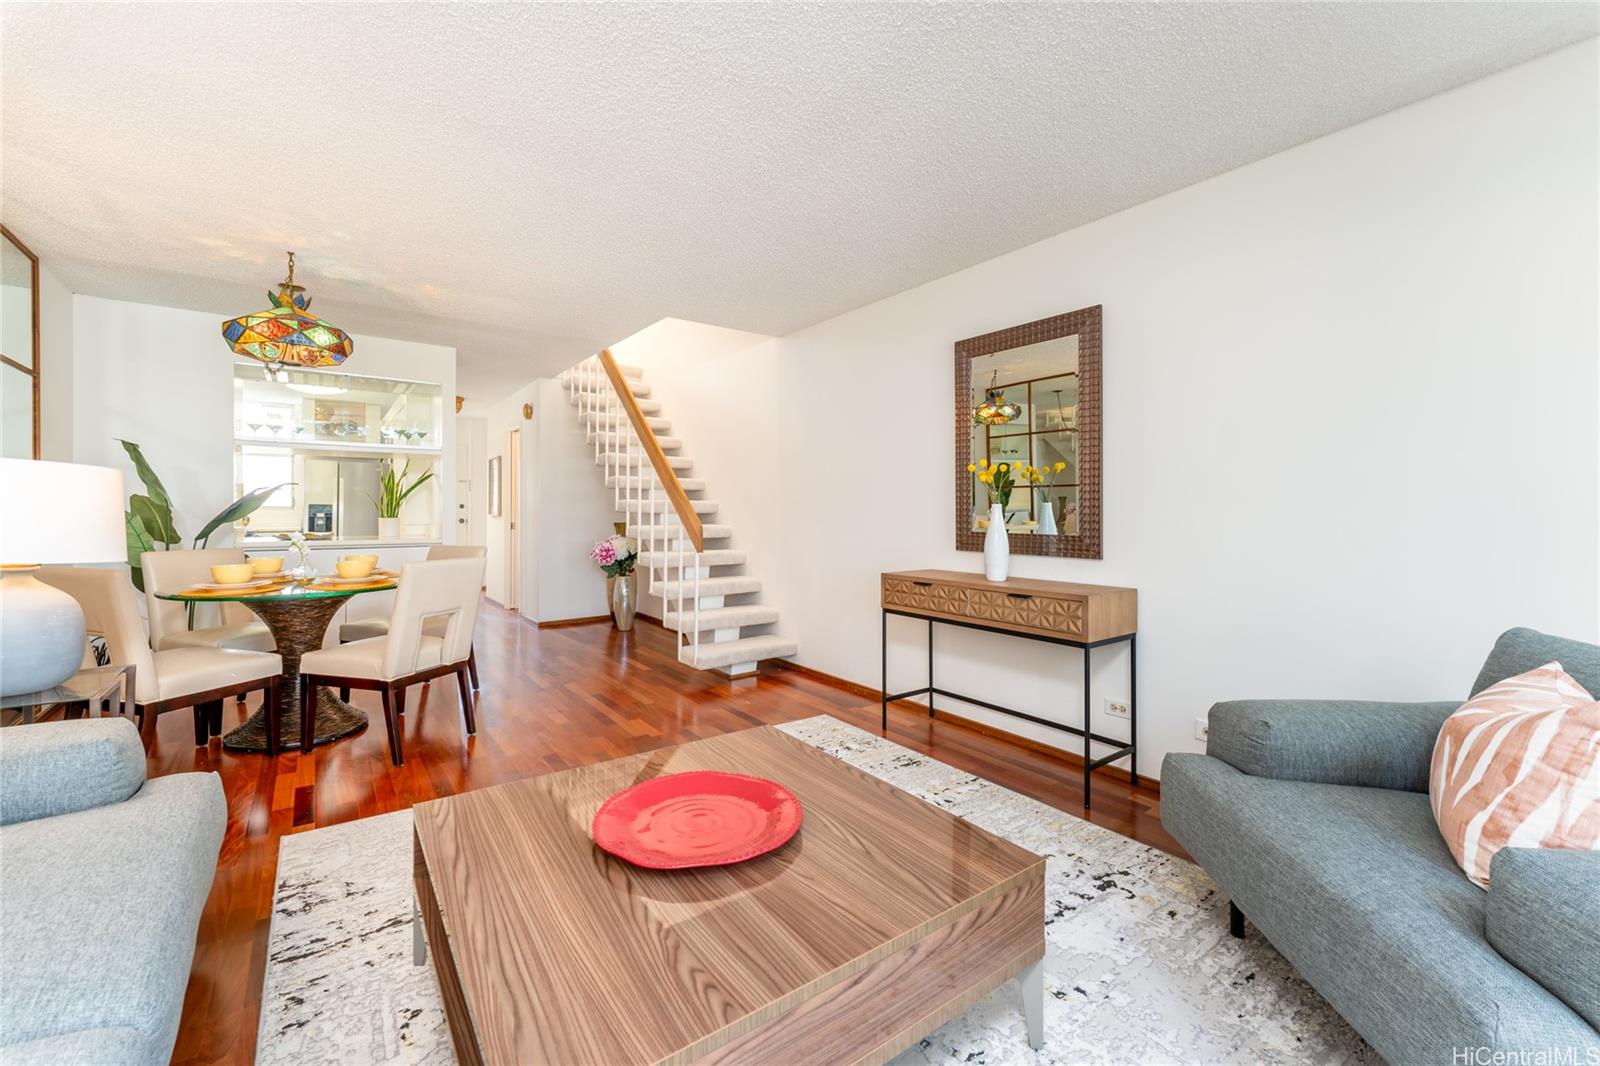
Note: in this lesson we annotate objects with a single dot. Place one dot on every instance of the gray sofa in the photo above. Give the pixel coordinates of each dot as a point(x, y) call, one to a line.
point(1313, 816)
point(102, 879)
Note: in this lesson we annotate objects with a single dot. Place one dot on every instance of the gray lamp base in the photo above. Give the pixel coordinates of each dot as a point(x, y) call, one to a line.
point(41, 633)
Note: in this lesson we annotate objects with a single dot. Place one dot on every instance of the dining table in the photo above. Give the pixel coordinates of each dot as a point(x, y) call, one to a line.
point(296, 610)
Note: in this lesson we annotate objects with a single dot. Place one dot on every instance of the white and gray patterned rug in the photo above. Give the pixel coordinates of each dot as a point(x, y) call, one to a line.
point(1139, 966)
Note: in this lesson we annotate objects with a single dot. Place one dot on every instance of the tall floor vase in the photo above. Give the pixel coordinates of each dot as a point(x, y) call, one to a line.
point(624, 600)
point(996, 545)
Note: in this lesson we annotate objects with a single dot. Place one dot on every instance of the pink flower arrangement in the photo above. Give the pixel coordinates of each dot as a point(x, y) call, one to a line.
point(616, 555)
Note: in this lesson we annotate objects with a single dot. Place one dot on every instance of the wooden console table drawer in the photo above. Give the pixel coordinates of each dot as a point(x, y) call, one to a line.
point(1088, 613)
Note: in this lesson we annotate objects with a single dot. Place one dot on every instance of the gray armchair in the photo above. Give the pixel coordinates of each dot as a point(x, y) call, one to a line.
point(1313, 816)
point(103, 878)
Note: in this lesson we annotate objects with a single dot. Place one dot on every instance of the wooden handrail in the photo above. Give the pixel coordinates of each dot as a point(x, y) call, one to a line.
point(658, 458)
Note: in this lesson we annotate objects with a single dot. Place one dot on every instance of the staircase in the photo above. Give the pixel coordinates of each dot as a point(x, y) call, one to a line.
point(684, 554)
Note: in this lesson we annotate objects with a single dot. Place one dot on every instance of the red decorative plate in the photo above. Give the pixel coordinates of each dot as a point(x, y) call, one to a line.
point(700, 818)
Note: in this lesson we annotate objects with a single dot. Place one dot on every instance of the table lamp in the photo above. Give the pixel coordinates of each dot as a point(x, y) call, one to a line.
point(50, 513)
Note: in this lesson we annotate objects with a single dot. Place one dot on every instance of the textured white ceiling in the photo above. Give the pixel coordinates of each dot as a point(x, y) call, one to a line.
point(527, 182)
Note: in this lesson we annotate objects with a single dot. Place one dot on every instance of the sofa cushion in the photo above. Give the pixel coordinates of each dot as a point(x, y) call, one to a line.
point(102, 1047)
point(1544, 915)
point(1336, 742)
point(100, 910)
point(1357, 889)
point(1520, 650)
point(56, 768)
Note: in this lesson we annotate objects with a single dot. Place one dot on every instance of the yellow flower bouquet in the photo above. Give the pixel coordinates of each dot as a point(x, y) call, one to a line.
point(998, 478)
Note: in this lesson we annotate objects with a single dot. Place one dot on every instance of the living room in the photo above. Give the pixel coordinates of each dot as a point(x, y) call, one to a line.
point(1236, 719)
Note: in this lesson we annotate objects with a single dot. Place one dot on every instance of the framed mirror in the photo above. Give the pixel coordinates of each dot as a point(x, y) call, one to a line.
point(19, 349)
point(1029, 397)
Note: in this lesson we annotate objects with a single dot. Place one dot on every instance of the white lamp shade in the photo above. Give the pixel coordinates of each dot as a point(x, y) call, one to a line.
point(60, 513)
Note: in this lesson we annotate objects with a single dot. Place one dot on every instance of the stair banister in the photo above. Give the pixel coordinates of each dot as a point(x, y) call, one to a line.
point(652, 448)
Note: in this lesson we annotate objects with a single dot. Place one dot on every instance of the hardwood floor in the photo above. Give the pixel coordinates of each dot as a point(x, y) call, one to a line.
point(551, 699)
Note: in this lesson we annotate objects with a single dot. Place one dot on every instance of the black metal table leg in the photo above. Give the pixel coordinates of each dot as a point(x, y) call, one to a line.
point(1088, 761)
point(930, 668)
point(883, 644)
point(1133, 715)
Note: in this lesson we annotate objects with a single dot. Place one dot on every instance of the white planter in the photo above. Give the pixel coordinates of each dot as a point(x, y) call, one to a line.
point(388, 529)
point(996, 545)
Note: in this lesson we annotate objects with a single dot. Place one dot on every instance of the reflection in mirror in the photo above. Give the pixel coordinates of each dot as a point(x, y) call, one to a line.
point(16, 413)
point(19, 349)
point(16, 314)
point(1039, 382)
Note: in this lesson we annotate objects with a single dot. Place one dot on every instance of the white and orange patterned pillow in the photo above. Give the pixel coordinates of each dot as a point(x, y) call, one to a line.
point(1518, 765)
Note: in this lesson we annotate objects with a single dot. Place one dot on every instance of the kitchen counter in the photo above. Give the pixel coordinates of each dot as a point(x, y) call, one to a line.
point(270, 543)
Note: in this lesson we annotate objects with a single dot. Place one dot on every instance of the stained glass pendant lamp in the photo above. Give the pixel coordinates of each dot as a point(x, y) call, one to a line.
point(288, 334)
point(995, 409)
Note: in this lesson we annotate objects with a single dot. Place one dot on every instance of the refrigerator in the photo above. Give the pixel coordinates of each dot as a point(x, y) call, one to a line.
point(354, 512)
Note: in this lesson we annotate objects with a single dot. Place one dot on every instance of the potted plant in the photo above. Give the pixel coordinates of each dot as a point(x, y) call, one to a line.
point(617, 556)
point(392, 492)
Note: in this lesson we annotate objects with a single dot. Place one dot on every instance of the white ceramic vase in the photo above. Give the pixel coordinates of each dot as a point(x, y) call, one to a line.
point(996, 545)
point(1047, 516)
point(389, 529)
point(41, 633)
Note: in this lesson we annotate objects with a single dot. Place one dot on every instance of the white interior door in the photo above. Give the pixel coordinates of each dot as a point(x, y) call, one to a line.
point(513, 510)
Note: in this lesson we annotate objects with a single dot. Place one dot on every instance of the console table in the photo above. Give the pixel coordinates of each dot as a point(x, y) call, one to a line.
point(1055, 612)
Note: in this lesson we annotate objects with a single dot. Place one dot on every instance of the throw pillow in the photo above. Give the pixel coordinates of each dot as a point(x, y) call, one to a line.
point(1518, 766)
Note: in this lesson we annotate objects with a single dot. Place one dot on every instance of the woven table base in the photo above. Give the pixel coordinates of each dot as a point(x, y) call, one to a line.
point(335, 719)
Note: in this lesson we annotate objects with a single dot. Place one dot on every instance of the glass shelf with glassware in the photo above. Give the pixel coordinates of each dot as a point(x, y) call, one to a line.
point(334, 411)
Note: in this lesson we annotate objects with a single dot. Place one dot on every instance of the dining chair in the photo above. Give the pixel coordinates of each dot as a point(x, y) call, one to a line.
point(173, 571)
point(430, 635)
point(366, 628)
point(174, 677)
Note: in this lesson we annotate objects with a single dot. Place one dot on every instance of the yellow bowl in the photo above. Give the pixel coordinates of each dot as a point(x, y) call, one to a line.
point(232, 573)
point(355, 567)
point(266, 564)
point(373, 559)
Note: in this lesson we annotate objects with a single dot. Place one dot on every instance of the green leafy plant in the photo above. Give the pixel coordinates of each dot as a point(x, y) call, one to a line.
point(392, 488)
point(149, 521)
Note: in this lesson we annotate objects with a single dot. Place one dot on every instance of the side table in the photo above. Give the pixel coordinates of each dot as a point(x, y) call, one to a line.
point(82, 691)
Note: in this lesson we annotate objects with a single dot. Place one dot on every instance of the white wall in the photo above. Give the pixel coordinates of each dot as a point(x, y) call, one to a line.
point(1350, 429)
point(163, 378)
point(717, 387)
point(499, 420)
point(55, 360)
point(569, 509)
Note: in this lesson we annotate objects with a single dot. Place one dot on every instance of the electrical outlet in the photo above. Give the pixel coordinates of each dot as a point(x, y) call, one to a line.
point(1202, 729)
point(1116, 710)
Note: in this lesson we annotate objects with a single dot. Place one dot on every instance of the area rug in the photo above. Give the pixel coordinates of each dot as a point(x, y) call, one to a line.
point(1139, 966)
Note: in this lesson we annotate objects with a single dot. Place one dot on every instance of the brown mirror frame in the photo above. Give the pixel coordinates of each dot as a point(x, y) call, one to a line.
point(1085, 324)
point(11, 360)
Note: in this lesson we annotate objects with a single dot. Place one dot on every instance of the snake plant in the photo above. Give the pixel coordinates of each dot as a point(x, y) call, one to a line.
point(393, 489)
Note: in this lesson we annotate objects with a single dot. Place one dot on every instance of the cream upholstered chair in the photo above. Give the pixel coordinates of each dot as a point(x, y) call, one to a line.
point(377, 627)
point(172, 571)
point(173, 678)
point(430, 635)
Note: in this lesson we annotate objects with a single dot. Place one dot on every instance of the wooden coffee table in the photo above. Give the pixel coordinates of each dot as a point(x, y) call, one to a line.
point(883, 918)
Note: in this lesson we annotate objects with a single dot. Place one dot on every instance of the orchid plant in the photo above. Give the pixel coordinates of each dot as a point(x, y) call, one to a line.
point(616, 555)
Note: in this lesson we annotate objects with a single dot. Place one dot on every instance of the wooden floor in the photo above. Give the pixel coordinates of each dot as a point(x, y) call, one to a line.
point(551, 699)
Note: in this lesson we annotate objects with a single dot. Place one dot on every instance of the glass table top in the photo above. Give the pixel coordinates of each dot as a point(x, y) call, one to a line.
point(319, 588)
point(85, 686)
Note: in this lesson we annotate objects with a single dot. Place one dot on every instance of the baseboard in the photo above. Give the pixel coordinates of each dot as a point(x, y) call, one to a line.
point(962, 722)
point(591, 619)
point(562, 623)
